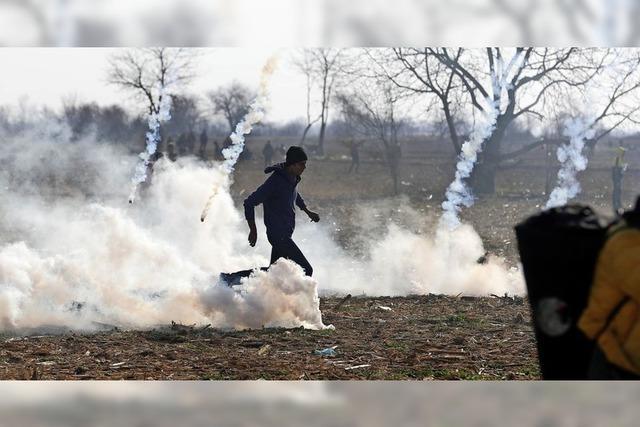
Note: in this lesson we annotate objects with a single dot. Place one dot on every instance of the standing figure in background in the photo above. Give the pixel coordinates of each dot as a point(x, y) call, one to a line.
point(393, 155)
point(281, 151)
point(182, 144)
point(217, 151)
point(204, 139)
point(191, 142)
point(617, 173)
point(171, 150)
point(267, 153)
point(202, 149)
point(355, 156)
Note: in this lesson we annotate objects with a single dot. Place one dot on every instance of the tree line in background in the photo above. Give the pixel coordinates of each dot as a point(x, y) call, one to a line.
point(380, 95)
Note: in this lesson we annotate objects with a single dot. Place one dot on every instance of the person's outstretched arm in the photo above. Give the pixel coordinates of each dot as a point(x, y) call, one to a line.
point(302, 205)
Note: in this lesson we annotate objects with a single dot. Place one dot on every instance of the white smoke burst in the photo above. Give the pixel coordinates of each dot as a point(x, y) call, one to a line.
point(282, 296)
point(254, 116)
point(151, 263)
point(572, 161)
point(155, 120)
point(142, 266)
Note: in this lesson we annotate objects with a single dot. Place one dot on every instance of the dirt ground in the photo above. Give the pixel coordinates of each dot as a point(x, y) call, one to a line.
point(414, 337)
point(426, 337)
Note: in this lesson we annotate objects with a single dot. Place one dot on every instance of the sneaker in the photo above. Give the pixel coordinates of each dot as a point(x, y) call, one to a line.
point(230, 279)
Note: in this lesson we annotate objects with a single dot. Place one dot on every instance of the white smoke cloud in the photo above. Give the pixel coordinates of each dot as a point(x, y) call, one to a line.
point(401, 262)
point(282, 296)
point(73, 255)
point(571, 161)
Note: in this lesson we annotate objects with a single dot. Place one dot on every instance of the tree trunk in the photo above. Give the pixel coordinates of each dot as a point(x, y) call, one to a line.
point(455, 140)
point(483, 177)
point(548, 178)
point(396, 189)
point(304, 134)
point(320, 150)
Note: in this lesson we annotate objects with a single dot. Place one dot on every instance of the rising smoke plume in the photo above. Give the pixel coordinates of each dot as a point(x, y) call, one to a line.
point(571, 160)
point(254, 116)
point(155, 120)
point(458, 193)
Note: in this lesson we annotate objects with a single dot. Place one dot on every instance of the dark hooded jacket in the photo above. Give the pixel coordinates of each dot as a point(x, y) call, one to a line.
point(279, 197)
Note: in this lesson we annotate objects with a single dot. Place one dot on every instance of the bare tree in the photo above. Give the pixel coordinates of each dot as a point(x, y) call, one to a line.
point(305, 65)
point(232, 101)
point(185, 115)
point(371, 109)
point(79, 117)
point(323, 68)
point(147, 73)
point(620, 87)
point(517, 82)
point(416, 71)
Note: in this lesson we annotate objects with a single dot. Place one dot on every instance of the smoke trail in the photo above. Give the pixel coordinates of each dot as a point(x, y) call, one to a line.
point(570, 155)
point(458, 194)
point(572, 161)
point(153, 137)
point(254, 116)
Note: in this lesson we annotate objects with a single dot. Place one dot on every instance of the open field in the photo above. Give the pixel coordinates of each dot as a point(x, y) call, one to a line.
point(407, 338)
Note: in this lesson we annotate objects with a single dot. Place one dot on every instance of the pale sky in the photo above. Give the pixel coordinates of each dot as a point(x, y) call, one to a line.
point(46, 75)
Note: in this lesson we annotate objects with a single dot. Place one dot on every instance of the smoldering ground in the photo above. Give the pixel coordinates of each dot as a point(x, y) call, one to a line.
point(74, 253)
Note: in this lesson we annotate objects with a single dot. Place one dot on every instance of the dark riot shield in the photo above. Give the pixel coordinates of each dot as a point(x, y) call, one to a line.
point(558, 249)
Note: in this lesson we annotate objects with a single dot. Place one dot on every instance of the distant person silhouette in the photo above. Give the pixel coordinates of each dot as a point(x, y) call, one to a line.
point(617, 173)
point(267, 154)
point(202, 149)
point(355, 156)
point(217, 151)
point(171, 150)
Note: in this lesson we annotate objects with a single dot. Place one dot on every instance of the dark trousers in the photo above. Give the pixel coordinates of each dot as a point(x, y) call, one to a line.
point(283, 247)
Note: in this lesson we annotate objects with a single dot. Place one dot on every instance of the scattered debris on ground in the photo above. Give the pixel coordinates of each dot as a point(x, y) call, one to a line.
point(421, 337)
